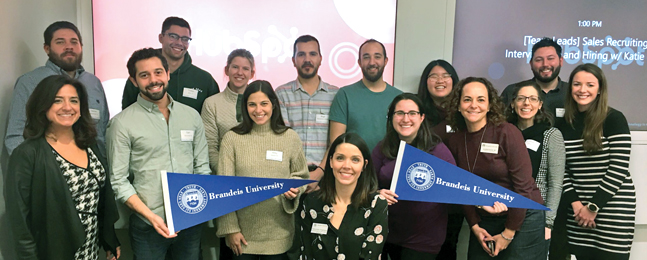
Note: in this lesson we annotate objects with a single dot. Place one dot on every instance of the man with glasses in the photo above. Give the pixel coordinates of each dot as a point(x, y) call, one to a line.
point(545, 64)
point(189, 84)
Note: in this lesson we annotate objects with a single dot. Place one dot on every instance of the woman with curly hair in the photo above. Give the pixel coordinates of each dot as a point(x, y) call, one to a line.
point(488, 146)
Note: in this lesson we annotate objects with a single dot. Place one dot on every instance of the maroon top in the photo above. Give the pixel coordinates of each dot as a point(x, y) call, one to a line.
point(440, 129)
point(510, 167)
point(420, 226)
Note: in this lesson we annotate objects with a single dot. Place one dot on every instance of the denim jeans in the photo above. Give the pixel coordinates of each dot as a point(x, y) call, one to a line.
point(396, 252)
point(528, 243)
point(147, 244)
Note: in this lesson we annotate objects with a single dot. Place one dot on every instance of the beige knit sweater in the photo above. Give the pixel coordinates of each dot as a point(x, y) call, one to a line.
point(267, 226)
point(219, 116)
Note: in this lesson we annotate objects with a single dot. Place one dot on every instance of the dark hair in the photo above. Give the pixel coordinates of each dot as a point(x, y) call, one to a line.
point(425, 138)
point(596, 113)
point(541, 117)
point(144, 54)
point(41, 101)
point(276, 120)
point(52, 28)
point(367, 181)
point(494, 115)
point(173, 20)
point(241, 53)
point(430, 108)
point(305, 38)
point(370, 41)
point(546, 42)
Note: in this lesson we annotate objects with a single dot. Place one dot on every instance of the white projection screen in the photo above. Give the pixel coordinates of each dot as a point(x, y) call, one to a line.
point(266, 28)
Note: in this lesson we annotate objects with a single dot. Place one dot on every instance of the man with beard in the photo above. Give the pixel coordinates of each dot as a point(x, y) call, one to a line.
point(545, 63)
point(362, 106)
point(305, 103)
point(189, 84)
point(154, 134)
point(64, 48)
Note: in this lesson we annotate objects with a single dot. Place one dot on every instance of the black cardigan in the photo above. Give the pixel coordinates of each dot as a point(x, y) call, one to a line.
point(40, 208)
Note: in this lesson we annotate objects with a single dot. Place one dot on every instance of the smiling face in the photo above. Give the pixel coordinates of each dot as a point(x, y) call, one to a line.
point(439, 84)
point(151, 78)
point(474, 105)
point(372, 61)
point(585, 89)
point(259, 108)
point(307, 59)
point(347, 164)
point(527, 103)
point(171, 48)
point(407, 120)
point(66, 109)
point(239, 72)
point(545, 64)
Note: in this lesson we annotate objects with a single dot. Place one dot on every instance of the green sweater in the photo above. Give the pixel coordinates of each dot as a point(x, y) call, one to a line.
point(187, 76)
point(267, 226)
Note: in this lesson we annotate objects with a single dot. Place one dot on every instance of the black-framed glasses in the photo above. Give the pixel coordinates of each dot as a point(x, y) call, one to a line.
point(412, 113)
point(532, 99)
point(443, 77)
point(176, 37)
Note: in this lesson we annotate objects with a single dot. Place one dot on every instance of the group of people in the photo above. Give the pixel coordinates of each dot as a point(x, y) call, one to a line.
point(556, 143)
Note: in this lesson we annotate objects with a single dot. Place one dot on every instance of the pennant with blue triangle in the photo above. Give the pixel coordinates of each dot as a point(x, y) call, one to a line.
point(191, 199)
point(420, 176)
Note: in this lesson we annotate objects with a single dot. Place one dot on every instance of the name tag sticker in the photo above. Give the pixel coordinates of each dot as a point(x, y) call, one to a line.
point(490, 148)
point(559, 112)
point(532, 144)
point(321, 119)
point(190, 93)
point(274, 156)
point(186, 135)
point(95, 114)
point(449, 129)
point(318, 228)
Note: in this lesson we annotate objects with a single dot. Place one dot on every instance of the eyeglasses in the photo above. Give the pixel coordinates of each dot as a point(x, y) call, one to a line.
point(412, 113)
point(443, 77)
point(176, 37)
point(522, 99)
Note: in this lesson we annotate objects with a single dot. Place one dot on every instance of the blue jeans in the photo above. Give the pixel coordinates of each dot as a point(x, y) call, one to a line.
point(528, 243)
point(147, 244)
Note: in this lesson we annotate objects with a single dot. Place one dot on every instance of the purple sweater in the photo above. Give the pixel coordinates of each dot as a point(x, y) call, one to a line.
point(420, 226)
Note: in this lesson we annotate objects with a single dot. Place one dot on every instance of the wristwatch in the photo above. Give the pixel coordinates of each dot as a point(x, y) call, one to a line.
point(592, 207)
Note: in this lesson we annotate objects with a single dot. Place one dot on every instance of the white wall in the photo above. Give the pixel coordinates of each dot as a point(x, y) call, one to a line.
point(424, 32)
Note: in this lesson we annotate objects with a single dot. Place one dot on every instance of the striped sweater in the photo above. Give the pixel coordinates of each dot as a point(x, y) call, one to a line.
point(603, 178)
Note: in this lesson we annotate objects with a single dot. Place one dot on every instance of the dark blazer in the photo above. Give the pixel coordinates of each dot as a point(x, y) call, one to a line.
point(40, 208)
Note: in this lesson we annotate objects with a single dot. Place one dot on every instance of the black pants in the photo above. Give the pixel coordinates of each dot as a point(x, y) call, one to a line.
point(454, 225)
point(396, 252)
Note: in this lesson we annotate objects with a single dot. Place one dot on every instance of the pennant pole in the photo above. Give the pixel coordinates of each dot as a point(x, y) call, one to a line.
point(167, 204)
point(398, 162)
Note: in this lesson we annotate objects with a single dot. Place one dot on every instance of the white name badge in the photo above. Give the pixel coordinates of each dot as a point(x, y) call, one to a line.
point(489, 148)
point(186, 135)
point(321, 119)
point(190, 93)
point(274, 156)
point(95, 114)
point(318, 228)
point(449, 129)
point(559, 112)
point(532, 144)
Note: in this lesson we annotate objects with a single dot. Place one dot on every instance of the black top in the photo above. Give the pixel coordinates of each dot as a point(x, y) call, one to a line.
point(554, 97)
point(40, 208)
point(536, 133)
point(361, 234)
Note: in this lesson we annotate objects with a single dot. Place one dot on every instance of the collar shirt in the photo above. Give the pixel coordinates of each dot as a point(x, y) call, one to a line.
point(141, 143)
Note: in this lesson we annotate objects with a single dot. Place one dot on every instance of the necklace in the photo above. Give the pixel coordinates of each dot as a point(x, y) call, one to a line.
point(477, 151)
